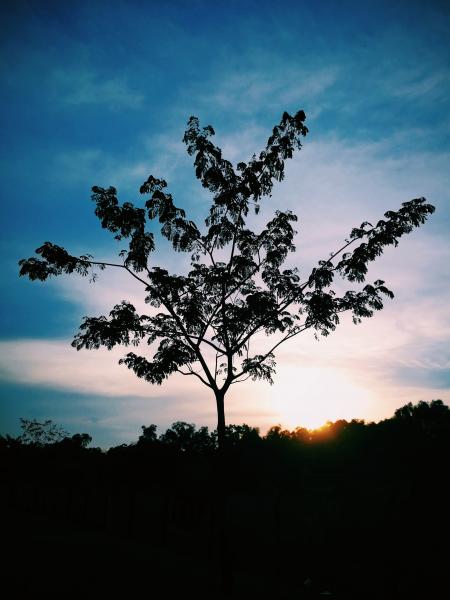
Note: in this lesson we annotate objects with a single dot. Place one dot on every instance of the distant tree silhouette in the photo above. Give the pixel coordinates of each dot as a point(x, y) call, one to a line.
point(184, 437)
point(41, 433)
point(204, 321)
point(148, 434)
point(423, 411)
point(80, 440)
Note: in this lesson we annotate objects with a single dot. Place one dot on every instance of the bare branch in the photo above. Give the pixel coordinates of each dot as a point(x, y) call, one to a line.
point(108, 264)
point(196, 375)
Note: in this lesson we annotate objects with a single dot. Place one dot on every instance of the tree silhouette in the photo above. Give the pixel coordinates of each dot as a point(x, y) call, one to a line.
point(300, 505)
point(42, 433)
point(204, 321)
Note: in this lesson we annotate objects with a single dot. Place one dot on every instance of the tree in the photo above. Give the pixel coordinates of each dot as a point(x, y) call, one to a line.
point(204, 321)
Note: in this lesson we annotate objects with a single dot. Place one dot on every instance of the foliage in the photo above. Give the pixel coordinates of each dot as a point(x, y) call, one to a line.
point(41, 433)
point(203, 322)
point(46, 435)
point(423, 411)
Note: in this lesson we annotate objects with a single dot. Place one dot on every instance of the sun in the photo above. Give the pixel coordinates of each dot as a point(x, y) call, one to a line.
point(311, 396)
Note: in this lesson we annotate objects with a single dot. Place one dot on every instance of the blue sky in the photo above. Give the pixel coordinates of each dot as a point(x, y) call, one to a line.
point(98, 93)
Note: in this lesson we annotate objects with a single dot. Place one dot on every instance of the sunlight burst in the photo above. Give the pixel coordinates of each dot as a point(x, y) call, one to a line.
point(310, 396)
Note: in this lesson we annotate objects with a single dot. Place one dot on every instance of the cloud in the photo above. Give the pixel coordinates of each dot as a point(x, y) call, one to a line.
point(162, 155)
point(78, 87)
point(55, 364)
point(267, 88)
point(421, 85)
point(95, 375)
point(94, 166)
point(335, 185)
point(259, 81)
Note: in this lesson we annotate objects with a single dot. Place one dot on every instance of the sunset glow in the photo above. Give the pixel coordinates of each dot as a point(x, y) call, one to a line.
point(309, 397)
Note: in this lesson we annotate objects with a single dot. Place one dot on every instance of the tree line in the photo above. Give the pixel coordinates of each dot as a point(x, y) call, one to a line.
point(354, 509)
point(424, 419)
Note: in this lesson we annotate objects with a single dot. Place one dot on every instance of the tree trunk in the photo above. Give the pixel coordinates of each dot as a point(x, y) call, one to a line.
point(220, 403)
point(224, 552)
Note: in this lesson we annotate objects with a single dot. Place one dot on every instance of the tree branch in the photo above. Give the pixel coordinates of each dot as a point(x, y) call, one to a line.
point(196, 349)
point(108, 264)
point(196, 374)
point(346, 245)
point(240, 380)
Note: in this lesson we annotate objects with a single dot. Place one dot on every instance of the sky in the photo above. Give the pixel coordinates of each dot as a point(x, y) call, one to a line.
point(99, 93)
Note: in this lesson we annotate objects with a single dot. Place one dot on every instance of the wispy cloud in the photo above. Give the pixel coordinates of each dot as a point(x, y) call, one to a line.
point(263, 87)
point(91, 166)
point(422, 85)
point(84, 86)
point(162, 155)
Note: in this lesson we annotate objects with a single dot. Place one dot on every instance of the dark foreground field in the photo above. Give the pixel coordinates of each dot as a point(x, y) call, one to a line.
point(351, 511)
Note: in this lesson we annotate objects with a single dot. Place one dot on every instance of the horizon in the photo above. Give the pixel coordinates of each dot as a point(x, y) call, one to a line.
point(47, 425)
point(84, 108)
